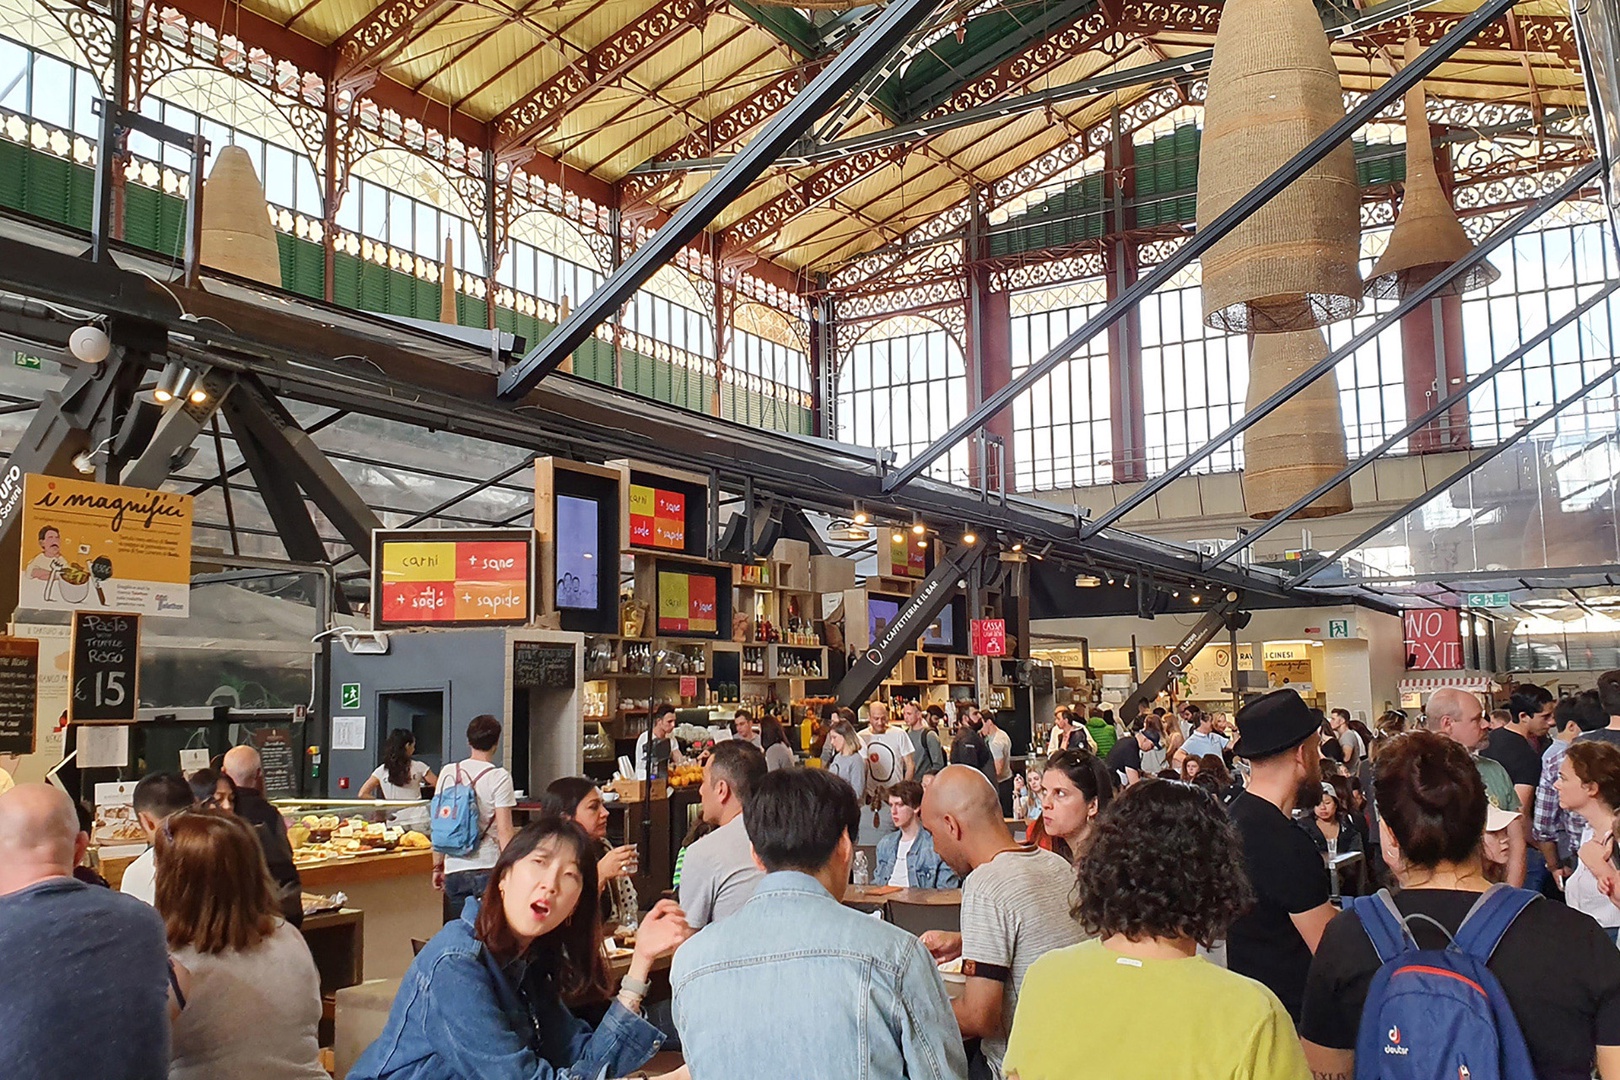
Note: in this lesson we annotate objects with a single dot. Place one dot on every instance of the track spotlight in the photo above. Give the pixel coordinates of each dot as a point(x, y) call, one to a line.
point(899, 537)
point(861, 516)
point(198, 395)
point(970, 538)
point(1018, 546)
point(923, 543)
point(1197, 599)
point(175, 382)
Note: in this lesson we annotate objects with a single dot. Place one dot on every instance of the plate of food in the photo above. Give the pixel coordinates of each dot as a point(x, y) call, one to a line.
point(118, 825)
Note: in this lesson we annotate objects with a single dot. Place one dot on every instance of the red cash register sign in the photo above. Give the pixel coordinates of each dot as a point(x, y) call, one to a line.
point(462, 581)
point(989, 637)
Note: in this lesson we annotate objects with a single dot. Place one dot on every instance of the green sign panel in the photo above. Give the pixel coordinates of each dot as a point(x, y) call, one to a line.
point(1338, 628)
point(350, 697)
point(32, 363)
point(1489, 600)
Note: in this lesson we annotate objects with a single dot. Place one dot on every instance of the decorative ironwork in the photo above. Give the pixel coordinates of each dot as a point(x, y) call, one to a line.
point(543, 107)
point(369, 43)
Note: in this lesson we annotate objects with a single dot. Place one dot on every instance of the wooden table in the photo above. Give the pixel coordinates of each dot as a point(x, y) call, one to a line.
point(879, 895)
point(914, 910)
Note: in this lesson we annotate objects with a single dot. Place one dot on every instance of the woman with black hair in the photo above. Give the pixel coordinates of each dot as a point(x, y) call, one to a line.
point(400, 776)
point(1075, 787)
point(1161, 874)
point(213, 790)
point(484, 998)
point(580, 800)
point(774, 741)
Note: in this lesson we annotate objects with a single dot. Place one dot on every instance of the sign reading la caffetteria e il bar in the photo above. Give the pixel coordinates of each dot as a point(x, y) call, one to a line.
point(101, 547)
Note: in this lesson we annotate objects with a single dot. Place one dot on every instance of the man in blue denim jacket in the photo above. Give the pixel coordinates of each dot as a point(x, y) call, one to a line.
point(879, 1002)
point(906, 857)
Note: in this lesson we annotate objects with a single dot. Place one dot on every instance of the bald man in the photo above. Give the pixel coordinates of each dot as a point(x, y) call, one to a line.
point(244, 766)
point(1015, 904)
point(1459, 716)
point(76, 957)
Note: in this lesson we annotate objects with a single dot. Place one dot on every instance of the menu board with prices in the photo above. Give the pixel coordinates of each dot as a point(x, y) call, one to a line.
point(541, 665)
point(104, 667)
point(19, 683)
point(657, 518)
point(687, 603)
point(443, 577)
point(279, 760)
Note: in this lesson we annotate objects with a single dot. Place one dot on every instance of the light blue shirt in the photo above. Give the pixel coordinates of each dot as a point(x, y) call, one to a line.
point(878, 1002)
point(1198, 744)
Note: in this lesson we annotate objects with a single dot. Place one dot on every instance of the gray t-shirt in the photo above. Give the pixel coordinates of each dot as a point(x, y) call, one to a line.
point(84, 986)
point(852, 768)
point(719, 875)
point(1001, 748)
point(1015, 909)
point(1608, 735)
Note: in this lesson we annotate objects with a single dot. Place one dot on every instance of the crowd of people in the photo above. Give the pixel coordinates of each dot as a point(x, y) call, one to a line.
point(1201, 885)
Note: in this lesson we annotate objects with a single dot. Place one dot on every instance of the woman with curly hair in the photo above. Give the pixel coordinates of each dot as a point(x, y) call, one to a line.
point(400, 776)
point(1161, 874)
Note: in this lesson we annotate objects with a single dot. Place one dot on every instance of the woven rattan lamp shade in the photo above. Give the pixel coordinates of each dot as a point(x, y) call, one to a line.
point(447, 284)
point(1301, 445)
point(236, 236)
point(1427, 236)
point(1273, 87)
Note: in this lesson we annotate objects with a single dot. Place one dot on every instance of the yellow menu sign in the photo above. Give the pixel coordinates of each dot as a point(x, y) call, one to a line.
point(89, 547)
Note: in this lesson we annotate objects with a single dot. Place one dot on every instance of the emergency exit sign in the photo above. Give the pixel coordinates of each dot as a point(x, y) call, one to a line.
point(1488, 600)
point(24, 360)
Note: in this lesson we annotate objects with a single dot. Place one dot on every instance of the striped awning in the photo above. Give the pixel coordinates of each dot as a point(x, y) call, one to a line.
point(1476, 682)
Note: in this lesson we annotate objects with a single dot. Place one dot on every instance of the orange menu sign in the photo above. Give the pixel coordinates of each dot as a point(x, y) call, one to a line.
point(472, 580)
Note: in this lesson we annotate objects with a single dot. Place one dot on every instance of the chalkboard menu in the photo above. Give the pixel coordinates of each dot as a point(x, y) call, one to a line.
point(106, 653)
point(540, 665)
point(279, 760)
point(19, 691)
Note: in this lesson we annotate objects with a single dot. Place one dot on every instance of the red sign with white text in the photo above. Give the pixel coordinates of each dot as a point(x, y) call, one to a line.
point(989, 637)
point(1433, 640)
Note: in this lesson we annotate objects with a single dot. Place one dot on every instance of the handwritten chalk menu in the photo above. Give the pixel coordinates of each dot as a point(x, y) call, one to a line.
point(452, 577)
point(104, 666)
point(540, 665)
point(19, 689)
point(280, 762)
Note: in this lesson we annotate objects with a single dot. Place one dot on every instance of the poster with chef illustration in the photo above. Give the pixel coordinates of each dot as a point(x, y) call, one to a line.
point(90, 547)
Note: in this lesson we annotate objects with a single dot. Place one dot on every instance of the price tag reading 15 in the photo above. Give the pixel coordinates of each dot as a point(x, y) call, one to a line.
point(105, 659)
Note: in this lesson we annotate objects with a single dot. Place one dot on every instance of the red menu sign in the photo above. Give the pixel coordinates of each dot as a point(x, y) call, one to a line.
point(657, 518)
point(989, 637)
point(452, 577)
point(1433, 640)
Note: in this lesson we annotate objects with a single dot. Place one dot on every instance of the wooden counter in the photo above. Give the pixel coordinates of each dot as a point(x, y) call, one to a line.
point(345, 870)
point(396, 893)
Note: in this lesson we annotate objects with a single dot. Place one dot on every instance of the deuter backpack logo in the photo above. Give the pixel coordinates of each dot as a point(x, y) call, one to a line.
point(1395, 1046)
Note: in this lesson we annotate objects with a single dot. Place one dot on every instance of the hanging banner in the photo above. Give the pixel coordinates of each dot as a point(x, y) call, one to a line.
point(101, 547)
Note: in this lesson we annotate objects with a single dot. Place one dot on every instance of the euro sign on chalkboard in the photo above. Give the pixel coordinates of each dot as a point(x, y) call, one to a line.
point(105, 667)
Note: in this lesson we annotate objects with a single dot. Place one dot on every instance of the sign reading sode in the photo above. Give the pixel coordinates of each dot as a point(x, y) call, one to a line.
point(452, 577)
point(89, 546)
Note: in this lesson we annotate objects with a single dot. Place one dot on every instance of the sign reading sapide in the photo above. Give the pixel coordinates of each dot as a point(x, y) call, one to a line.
point(100, 547)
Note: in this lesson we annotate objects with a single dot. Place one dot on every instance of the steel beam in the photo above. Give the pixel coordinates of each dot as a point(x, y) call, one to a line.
point(1423, 295)
point(176, 431)
point(1221, 617)
point(876, 42)
point(933, 593)
point(1414, 426)
point(1201, 241)
point(1445, 485)
point(1041, 23)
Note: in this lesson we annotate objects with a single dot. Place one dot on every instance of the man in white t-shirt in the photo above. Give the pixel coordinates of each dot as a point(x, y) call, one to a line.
point(156, 797)
point(889, 759)
point(665, 750)
point(464, 876)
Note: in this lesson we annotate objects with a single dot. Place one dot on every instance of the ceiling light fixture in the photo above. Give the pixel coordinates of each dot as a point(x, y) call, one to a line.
point(970, 538)
point(861, 516)
point(175, 382)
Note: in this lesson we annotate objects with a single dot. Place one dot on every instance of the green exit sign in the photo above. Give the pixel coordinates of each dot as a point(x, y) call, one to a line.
point(32, 363)
point(1489, 600)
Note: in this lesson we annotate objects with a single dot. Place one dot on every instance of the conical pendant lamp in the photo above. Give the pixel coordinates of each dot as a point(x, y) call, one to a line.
point(563, 310)
point(1427, 236)
point(236, 235)
point(447, 284)
point(1273, 87)
point(1300, 446)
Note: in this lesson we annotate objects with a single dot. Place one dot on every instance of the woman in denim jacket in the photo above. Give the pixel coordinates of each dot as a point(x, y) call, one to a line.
point(484, 999)
point(924, 868)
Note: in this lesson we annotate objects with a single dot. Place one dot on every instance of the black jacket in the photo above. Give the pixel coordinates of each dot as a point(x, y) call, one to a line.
point(267, 822)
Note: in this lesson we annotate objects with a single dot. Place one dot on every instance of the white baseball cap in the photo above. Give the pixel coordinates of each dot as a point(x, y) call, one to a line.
point(1497, 819)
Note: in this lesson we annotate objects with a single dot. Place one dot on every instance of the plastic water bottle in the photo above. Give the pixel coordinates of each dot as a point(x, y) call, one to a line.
point(862, 874)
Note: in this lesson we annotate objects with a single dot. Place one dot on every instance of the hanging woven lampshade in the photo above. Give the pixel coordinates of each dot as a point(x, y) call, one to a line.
point(1273, 87)
point(563, 310)
point(235, 235)
point(447, 284)
point(1427, 236)
point(1301, 445)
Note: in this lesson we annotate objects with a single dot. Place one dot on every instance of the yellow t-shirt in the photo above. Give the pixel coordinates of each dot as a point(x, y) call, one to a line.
point(1232, 1029)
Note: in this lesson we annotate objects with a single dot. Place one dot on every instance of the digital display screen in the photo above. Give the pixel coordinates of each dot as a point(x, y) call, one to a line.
point(881, 612)
point(657, 518)
point(436, 577)
point(578, 552)
point(688, 603)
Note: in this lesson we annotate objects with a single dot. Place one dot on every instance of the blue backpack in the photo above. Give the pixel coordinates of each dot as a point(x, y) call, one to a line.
point(455, 826)
point(1439, 1014)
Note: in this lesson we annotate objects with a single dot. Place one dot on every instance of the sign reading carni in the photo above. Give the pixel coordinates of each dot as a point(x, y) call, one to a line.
point(657, 518)
point(89, 546)
point(19, 691)
point(542, 665)
point(452, 577)
point(104, 666)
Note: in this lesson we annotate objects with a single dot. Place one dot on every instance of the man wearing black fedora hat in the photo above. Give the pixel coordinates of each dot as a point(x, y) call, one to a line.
point(1273, 943)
